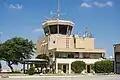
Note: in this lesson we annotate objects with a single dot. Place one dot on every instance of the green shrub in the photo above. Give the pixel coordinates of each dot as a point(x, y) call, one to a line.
point(92, 66)
point(31, 71)
point(78, 66)
point(104, 66)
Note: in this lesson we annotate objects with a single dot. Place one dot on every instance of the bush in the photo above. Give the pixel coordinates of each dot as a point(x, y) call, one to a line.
point(78, 66)
point(104, 66)
point(31, 71)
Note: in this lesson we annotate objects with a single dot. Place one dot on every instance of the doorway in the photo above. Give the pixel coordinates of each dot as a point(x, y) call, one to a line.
point(64, 68)
point(88, 68)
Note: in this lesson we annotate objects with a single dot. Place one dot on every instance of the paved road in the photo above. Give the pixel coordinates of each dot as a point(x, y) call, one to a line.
point(103, 77)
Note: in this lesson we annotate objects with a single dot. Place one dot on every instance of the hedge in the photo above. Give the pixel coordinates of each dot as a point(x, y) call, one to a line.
point(78, 66)
point(104, 66)
point(31, 71)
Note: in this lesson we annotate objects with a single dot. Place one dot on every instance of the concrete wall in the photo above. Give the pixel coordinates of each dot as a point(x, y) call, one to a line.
point(117, 48)
point(42, 46)
point(64, 42)
point(61, 41)
point(117, 58)
point(87, 43)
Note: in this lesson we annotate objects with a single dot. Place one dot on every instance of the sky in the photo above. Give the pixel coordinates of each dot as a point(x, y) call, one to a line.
point(23, 18)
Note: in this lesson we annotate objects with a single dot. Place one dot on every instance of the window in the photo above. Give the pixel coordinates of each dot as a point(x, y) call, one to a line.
point(70, 55)
point(62, 29)
point(46, 30)
point(117, 56)
point(53, 29)
point(86, 55)
point(69, 30)
point(95, 55)
point(76, 55)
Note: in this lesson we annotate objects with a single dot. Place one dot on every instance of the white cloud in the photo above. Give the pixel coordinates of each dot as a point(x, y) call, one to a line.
point(90, 3)
point(85, 5)
point(103, 4)
point(110, 3)
point(16, 6)
point(38, 30)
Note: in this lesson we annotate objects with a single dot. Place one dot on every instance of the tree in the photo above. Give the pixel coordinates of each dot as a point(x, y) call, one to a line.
point(44, 64)
point(44, 56)
point(78, 66)
point(104, 66)
point(15, 50)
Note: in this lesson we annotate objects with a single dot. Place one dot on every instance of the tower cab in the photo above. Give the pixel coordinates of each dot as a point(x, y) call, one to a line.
point(62, 27)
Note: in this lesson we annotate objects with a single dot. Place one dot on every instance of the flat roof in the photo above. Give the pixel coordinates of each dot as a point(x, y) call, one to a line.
point(116, 44)
point(34, 60)
point(54, 22)
point(79, 50)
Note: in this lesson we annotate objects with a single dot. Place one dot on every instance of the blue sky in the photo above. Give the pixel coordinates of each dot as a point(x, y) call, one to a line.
point(24, 18)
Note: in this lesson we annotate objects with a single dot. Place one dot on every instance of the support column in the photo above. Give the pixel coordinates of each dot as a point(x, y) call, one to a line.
point(58, 29)
point(53, 56)
point(69, 68)
point(86, 68)
point(24, 67)
point(56, 67)
point(27, 66)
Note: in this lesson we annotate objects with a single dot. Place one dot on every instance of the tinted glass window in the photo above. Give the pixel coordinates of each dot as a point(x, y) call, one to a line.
point(62, 29)
point(53, 29)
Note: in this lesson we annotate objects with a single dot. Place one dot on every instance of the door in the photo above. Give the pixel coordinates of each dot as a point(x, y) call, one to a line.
point(64, 68)
point(88, 68)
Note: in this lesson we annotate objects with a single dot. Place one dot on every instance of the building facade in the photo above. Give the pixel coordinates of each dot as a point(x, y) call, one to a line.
point(63, 48)
point(116, 58)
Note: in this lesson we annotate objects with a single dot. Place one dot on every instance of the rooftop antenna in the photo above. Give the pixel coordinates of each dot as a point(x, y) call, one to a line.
point(51, 15)
point(88, 33)
point(57, 13)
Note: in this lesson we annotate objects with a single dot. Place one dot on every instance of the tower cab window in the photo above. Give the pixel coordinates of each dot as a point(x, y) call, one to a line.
point(46, 30)
point(53, 29)
point(62, 29)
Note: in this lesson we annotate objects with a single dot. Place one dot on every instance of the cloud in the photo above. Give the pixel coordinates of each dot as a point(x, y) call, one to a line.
point(13, 6)
point(16, 6)
point(85, 5)
point(90, 4)
point(38, 30)
point(110, 3)
point(102, 4)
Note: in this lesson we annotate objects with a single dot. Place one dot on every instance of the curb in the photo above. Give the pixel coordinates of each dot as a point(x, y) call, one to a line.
point(4, 76)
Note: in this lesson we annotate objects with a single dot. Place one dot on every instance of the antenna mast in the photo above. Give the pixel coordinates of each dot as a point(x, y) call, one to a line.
point(58, 12)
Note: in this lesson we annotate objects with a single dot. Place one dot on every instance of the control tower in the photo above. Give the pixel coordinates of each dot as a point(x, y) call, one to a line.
point(63, 48)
